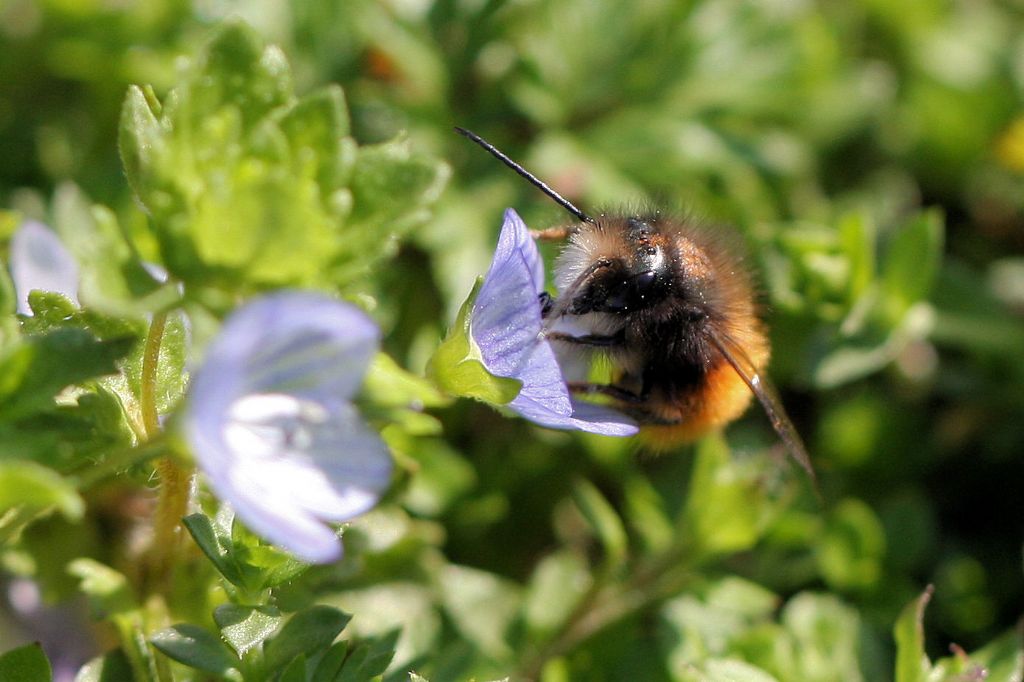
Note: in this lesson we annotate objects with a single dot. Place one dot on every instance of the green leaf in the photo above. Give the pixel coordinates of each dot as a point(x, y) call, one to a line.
point(52, 311)
point(826, 635)
point(34, 371)
point(275, 565)
point(443, 476)
point(329, 668)
point(268, 225)
point(111, 597)
point(244, 627)
point(558, 583)
point(603, 519)
point(711, 618)
point(391, 169)
point(236, 70)
point(271, 228)
point(307, 632)
point(9, 330)
point(851, 552)
point(912, 263)
point(409, 606)
point(108, 590)
point(731, 670)
point(34, 487)
point(725, 510)
point(857, 237)
point(315, 127)
point(391, 188)
point(229, 199)
point(388, 385)
point(262, 565)
point(214, 547)
point(851, 362)
point(646, 514)
point(912, 664)
point(482, 606)
point(171, 365)
point(294, 671)
point(370, 659)
point(456, 367)
point(1001, 659)
point(25, 664)
point(248, 187)
point(112, 667)
point(112, 278)
point(140, 140)
point(195, 647)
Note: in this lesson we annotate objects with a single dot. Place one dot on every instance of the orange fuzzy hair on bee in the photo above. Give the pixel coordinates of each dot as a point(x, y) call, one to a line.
point(724, 397)
point(694, 388)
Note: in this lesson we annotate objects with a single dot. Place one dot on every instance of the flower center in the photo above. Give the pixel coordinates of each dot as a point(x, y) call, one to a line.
point(269, 425)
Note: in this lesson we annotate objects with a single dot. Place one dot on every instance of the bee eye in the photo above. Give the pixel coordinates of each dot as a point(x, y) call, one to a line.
point(644, 280)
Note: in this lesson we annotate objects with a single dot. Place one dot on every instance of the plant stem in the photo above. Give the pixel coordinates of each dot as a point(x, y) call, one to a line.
point(175, 480)
point(150, 362)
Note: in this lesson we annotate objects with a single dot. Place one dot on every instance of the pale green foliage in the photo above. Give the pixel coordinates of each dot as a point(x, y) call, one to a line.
point(868, 153)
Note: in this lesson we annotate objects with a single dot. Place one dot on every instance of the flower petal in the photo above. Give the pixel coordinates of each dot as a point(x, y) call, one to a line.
point(40, 261)
point(296, 342)
point(298, 465)
point(270, 425)
point(514, 231)
point(338, 464)
point(600, 419)
point(505, 324)
point(272, 514)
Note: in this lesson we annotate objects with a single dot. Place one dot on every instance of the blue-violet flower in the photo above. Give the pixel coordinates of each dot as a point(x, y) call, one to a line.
point(505, 325)
point(39, 260)
point(271, 424)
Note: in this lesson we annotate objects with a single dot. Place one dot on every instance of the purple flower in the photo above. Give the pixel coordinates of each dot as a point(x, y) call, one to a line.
point(271, 424)
point(40, 261)
point(505, 325)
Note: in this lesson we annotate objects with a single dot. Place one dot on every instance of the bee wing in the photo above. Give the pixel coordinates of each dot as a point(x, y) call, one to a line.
point(769, 399)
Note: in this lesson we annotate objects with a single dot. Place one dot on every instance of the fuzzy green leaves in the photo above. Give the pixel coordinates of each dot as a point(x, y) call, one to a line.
point(264, 644)
point(249, 187)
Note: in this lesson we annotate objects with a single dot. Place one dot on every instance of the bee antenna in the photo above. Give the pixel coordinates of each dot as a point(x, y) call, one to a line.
point(530, 177)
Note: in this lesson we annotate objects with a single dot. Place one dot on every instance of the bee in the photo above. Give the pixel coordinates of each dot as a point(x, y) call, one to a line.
point(673, 308)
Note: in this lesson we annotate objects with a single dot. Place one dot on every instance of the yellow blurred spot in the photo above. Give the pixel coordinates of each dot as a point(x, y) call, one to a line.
point(1010, 146)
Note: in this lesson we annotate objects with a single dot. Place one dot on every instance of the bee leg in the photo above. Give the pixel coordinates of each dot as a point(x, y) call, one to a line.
point(597, 340)
point(547, 302)
point(551, 234)
point(610, 390)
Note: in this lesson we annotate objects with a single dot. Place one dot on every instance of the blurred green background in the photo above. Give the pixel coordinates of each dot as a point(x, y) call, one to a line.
point(871, 153)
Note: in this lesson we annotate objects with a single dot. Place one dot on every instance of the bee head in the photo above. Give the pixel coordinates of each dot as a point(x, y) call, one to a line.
point(638, 277)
